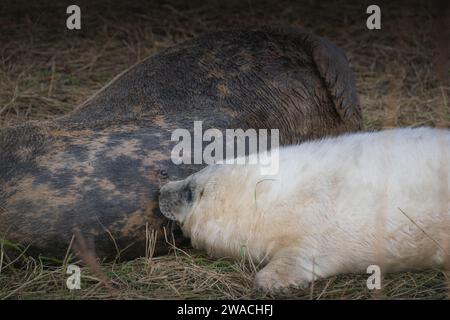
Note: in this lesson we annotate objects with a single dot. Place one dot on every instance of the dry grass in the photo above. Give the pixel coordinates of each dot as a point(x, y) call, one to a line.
point(46, 70)
point(194, 276)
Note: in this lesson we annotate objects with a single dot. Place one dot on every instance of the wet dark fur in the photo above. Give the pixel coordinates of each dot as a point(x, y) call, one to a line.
point(96, 172)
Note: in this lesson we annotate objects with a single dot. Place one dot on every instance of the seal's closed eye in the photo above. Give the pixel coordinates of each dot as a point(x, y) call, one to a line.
point(188, 193)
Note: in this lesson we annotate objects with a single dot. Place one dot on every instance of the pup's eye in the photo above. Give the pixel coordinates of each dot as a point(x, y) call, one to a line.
point(188, 194)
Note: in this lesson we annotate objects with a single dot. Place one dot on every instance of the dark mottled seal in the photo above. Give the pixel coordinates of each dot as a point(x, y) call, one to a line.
point(96, 172)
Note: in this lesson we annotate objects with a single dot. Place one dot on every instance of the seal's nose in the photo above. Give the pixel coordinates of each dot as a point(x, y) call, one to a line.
point(163, 174)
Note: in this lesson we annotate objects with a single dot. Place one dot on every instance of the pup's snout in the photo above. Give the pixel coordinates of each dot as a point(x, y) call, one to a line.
point(166, 203)
point(170, 201)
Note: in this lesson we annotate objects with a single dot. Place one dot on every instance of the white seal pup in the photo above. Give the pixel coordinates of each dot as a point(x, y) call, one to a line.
point(336, 205)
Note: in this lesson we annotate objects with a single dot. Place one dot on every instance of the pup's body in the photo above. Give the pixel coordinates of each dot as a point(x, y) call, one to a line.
point(336, 205)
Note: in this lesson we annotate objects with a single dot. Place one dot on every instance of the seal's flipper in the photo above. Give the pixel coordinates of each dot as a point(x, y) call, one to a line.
point(332, 66)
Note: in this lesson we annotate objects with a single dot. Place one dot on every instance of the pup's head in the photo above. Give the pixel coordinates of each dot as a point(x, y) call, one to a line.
point(177, 198)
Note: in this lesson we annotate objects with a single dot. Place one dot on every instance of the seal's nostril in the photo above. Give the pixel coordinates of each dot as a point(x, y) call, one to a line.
point(163, 173)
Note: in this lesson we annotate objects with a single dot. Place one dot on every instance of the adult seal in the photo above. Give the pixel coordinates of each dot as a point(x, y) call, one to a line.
point(95, 173)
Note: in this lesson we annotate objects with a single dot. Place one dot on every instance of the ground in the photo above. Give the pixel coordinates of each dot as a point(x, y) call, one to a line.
point(46, 70)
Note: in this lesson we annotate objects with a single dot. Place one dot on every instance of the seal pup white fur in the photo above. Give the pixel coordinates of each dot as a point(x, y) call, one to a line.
point(336, 206)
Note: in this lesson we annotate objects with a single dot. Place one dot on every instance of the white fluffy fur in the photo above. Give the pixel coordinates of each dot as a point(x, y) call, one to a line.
point(337, 205)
